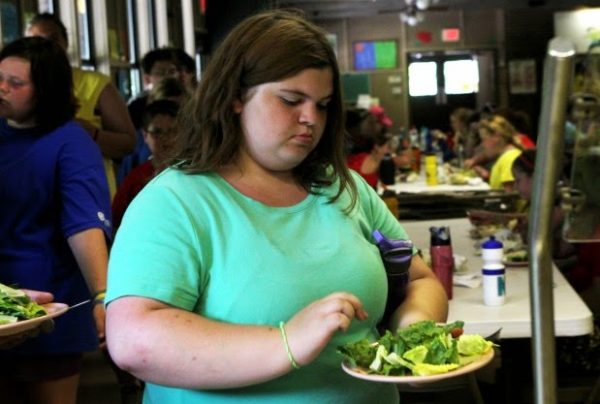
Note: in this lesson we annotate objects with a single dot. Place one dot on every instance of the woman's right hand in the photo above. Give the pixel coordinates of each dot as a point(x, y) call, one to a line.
point(310, 329)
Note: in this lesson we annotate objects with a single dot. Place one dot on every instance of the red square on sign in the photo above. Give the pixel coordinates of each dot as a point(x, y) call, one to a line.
point(451, 35)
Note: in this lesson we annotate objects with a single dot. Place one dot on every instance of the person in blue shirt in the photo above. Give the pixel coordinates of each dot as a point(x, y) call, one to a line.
point(237, 272)
point(55, 221)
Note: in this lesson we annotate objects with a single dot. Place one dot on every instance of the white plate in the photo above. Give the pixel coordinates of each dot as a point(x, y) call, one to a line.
point(362, 373)
point(53, 310)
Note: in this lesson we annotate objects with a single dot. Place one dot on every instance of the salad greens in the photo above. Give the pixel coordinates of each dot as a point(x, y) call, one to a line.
point(422, 349)
point(15, 305)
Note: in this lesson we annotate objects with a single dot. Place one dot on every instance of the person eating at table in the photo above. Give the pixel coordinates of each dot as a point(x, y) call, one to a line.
point(238, 271)
point(499, 142)
point(369, 144)
point(522, 170)
point(579, 262)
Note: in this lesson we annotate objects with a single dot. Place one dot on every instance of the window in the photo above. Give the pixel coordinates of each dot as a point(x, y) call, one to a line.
point(85, 38)
point(422, 78)
point(461, 77)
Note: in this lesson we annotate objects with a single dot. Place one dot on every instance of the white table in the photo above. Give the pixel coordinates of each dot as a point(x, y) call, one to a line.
point(420, 186)
point(572, 316)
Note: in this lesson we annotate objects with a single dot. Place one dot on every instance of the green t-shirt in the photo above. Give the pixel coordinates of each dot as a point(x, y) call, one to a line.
point(196, 243)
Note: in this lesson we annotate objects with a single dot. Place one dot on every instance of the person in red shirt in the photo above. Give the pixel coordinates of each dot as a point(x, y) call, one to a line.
point(370, 143)
point(159, 132)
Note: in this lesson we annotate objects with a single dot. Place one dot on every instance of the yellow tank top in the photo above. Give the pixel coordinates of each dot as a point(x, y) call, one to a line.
point(88, 86)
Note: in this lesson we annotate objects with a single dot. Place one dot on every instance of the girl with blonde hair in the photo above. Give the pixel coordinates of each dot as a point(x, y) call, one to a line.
point(500, 142)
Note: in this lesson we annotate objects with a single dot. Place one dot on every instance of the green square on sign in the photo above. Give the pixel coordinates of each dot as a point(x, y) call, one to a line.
point(385, 54)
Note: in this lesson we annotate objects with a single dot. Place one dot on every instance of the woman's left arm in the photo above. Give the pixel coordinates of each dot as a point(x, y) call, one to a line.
point(425, 298)
point(91, 253)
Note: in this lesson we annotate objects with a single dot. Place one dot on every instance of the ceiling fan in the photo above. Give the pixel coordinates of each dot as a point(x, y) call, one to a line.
point(412, 11)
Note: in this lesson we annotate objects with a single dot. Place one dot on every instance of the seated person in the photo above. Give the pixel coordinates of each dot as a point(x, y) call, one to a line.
point(459, 122)
point(521, 122)
point(369, 145)
point(522, 169)
point(475, 156)
point(159, 131)
point(499, 144)
point(580, 263)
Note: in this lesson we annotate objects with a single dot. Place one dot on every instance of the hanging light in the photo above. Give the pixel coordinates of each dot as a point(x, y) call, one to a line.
point(422, 4)
point(412, 14)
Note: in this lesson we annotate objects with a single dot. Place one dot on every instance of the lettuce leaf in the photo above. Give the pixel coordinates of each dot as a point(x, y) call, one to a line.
point(424, 348)
point(473, 345)
point(15, 305)
point(425, 369)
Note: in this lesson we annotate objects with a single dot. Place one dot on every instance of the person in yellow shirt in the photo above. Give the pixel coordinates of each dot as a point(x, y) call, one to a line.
point(499, 142)
point(102, 112)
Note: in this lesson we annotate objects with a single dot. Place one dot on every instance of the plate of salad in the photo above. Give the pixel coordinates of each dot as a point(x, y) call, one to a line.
point(18, 313)
point(518, 258)
point(421, 353)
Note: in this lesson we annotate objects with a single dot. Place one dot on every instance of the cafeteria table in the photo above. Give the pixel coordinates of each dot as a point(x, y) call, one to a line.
point(419, 201)
point(419, 186)
point(571, 315)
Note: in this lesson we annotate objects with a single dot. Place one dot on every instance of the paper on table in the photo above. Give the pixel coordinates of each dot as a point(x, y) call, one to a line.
point(470, 280)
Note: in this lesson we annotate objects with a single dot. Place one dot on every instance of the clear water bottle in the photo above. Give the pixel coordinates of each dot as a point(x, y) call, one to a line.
point(493, 272)
point(460, 155)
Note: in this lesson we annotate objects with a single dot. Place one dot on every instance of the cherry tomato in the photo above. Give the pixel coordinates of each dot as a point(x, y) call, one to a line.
point(456, 332)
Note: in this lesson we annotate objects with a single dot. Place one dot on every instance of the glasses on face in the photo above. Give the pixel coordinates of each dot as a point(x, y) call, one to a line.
point(14, 83)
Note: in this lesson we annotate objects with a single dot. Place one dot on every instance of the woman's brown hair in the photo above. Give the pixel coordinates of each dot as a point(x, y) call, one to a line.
point(52, 79)
point(267, 47)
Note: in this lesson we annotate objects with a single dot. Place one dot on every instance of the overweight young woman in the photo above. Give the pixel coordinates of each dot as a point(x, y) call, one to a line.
point(236, 273)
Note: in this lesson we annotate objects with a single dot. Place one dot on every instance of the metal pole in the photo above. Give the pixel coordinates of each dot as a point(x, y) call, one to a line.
point(558, 72)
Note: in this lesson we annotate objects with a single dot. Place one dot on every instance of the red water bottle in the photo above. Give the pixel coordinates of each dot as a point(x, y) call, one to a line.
point(442, 259)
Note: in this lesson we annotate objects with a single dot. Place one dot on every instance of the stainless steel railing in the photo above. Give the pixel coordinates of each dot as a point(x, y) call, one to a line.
point(558, 73)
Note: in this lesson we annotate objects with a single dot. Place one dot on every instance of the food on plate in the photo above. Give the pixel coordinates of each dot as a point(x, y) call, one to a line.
point(516, 256)
point(484, 230)
point(15, 306)
point(422, 349)
point(510, 220)
point(412, 177)
point(461, 177)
